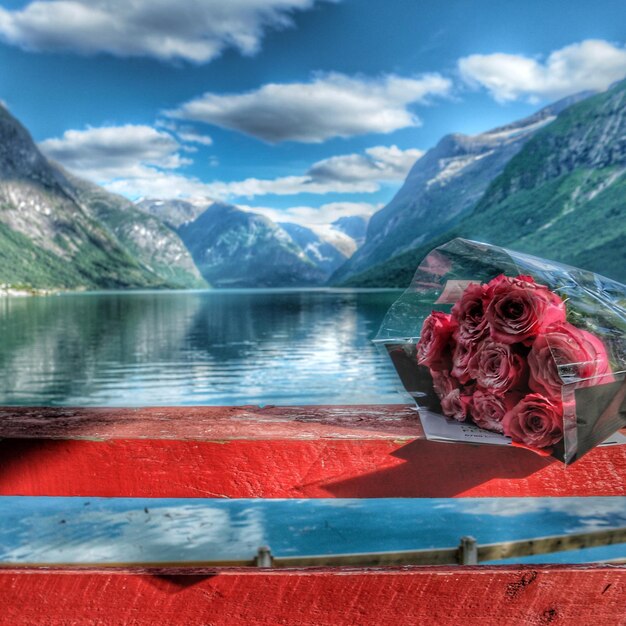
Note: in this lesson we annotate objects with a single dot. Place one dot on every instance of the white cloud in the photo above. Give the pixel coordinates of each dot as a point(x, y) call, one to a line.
point(188, 135)
point(141, 161)
point(348, 173)
point(596, 512)
point(330, 105)
point(160, 532)
point(352, 173)
point(315, 216)
point(379, 163)
point(287, 186)
point(589, 65)
point(192, 30)
point(153, 183)
point(111, 152)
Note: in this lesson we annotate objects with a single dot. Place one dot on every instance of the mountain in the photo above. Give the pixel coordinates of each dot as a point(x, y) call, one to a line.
point(355, 226)
point(442, 187)
point(58, 231)
point(322, 248)
point(151, 242)
point(174, 213)
point(562, 196)
point(323, 254)
point(235, 248)
point(48, 239)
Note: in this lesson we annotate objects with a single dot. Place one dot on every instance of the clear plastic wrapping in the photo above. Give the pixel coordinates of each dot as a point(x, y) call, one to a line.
point(575, 353)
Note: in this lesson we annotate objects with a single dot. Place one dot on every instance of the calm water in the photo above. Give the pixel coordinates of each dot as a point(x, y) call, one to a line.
point(204, 347)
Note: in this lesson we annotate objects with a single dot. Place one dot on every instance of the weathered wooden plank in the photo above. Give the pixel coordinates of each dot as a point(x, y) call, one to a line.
point(437, 556)
point(549, 545)
point(385, 421)
point(350, 451)
point(297, 469)
point(427, 596)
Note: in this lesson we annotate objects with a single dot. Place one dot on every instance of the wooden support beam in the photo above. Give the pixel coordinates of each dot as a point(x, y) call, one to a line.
point(549, 545)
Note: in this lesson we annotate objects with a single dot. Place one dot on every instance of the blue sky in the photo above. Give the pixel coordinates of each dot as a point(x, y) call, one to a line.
point(308, 109)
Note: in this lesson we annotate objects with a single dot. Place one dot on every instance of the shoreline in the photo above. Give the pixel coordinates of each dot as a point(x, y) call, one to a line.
point(10, 291)
point(23, 291)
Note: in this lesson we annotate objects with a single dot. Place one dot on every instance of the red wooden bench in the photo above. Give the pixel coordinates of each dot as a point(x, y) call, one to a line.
point(292, 452)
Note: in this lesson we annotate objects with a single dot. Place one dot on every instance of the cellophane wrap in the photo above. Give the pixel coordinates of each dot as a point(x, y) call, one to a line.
point(593, 411)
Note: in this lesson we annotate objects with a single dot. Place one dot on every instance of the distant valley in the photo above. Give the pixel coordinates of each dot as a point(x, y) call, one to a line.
point(236, 248)
point(58, 231)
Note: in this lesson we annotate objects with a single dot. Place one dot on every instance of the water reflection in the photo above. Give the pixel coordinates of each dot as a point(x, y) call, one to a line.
point(182, 348)
point(110, 530)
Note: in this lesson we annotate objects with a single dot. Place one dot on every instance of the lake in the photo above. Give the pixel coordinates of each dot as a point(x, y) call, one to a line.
point(213, 347)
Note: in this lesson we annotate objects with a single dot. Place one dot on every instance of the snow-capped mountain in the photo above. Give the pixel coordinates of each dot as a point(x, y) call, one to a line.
point(562, 196)
point(235, 248)
point(321, 252)
point(230, 244)
point(153, 242)
point(174, 213)
point(355, 226)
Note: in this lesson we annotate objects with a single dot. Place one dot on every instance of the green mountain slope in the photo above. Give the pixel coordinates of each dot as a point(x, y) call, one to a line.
point(442, 187)
point(60, 246)
point(153, 244)
point(563, 196)
point(53, 232)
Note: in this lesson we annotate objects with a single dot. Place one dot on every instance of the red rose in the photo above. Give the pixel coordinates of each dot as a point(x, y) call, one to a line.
point(535, 422)
point(580, 354)
point(443, 383)
point(433, 349)
point(488, 409)
point(469, 311)
point(519, 309)
point(498, 367)
point(469, 388)
point(456, 405)
point(464, 351)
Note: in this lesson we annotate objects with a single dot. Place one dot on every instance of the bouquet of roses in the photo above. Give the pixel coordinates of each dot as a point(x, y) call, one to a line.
point(493, 359)
point(523, 347)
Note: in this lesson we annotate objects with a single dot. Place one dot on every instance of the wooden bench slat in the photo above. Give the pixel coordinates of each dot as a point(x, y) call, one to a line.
point(273, 452)
point(299, 469)
point(490, 596)
point(211, 423)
